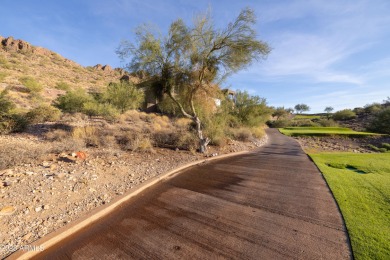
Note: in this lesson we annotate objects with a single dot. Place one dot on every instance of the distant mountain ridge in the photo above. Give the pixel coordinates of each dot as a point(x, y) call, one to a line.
point(20, 59)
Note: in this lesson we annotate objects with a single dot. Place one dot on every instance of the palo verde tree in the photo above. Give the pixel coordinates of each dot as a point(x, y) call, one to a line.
point(328, 111)
point(193, 59)
point(281, 112)
point(300, 108)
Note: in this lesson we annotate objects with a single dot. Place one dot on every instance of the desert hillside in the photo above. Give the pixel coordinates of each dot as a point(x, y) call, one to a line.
point(46, 73)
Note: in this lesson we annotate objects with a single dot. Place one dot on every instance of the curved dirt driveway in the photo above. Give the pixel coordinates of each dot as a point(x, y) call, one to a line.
point(269, 204)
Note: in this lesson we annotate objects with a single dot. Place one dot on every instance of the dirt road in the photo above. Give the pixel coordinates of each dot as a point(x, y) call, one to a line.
point(269, 204)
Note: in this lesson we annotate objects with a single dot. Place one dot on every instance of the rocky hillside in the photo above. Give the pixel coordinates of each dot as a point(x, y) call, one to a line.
point(22, 64)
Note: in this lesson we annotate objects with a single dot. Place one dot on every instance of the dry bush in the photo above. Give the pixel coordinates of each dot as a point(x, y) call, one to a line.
point(43, 113)
point(147, 117)
point(16, 153)
point(242, 134)
point(133, 141)
point(67, 145)
point(88, 134)
point(188, 141)
point(161, 122)
point(131, 115)
point(183, 123)
point(145, 144)
point(57, 135)
point(257, 132)
point(74, 118)
point(166, 139)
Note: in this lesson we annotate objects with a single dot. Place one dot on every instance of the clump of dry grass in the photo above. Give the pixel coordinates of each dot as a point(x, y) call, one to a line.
point(242, 134)
point(258, 132)
point(15, 153)
point(183, 123)
point(134, 141)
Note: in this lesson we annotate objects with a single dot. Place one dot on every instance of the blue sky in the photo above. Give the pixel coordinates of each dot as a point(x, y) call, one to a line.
point(325, 52)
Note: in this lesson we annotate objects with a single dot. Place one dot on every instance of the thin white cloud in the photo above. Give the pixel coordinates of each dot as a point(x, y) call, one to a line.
point(341, 30)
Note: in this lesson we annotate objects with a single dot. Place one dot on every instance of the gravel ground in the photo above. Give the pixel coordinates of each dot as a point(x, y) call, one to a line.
point(40, 197)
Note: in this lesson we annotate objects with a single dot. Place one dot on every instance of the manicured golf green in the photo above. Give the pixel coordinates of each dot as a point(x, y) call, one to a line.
point(321, 131)
point(361, 186)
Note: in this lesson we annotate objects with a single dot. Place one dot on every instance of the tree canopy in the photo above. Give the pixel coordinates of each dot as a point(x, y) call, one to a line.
point(300, 108)
point(194, 59)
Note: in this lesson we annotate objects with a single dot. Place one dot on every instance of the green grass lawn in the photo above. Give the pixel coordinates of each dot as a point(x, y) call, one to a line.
point(321, 131)
point(361, 186)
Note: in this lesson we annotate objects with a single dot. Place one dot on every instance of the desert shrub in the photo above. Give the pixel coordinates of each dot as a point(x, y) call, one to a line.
point(279, 123)
point(304, 122)
point(188, 141)
point(43, 113)
point(57, 135)
point(358, 110)
point(327, 123)
point(13, 123)
point(250, 110)
point(242, 134)
point(15, 153)
point(67, 144)
point(31, 84)
point(124, 96)
point(62, 86)
point(345, 114)
point(386, 146)
point(133, 141)
point(160, 123)
point(373, 108)
point(73, 101)
point(9, 121)
point(183, 123)
point(3, 75)
point(79, 138)
point(107, 111)
point(181, 138)
point(257, 132)
point(381, 122)
point(166, 106)
point(74, 118)
point(88, 134)
point(166, 138)
point(6, 105)
point(216, 133)
point(130, 116)
point(144, 144)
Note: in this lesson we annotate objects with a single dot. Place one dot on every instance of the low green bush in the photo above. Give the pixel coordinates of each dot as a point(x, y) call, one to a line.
point(381, 122)
point(343, 115)
point(31, 84)
point(62, 86)
point(73, 101)
point(279, 123)
point(124, 96)
point(107, 111)
point(13, 123)
point(43, 113)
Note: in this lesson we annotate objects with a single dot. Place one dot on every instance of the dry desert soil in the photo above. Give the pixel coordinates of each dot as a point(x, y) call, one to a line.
point(40, 197)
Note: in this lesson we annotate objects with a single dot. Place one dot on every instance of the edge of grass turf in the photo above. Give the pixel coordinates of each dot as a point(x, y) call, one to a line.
point(338, 206)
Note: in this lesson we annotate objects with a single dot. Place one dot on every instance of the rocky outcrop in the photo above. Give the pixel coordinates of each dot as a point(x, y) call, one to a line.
point(11, 44)
point(41, 51)
point(120, 71)
point(106, 67)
